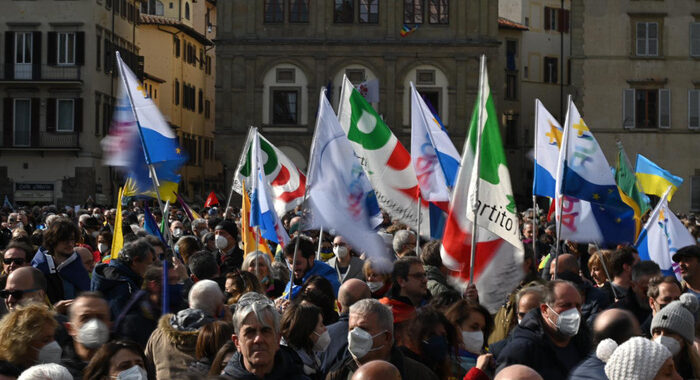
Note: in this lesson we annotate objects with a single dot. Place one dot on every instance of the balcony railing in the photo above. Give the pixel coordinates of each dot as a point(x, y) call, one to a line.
point(45, 141)
point(33, 73)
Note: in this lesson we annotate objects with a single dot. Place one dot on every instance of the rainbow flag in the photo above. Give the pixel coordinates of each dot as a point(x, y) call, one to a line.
point(406, 30)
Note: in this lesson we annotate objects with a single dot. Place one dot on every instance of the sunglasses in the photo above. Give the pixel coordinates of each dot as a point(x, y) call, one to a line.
point(17, 261)
point(17, 294)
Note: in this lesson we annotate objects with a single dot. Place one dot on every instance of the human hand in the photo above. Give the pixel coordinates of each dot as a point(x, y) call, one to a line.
point(61, 307)
point(484, 362)
point(471, 293)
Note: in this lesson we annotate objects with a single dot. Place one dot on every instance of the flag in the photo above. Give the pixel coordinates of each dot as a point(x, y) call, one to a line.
point(7, 203)
point(406, 30)
point(654, 179)
point(150, 225)
point(385, 161)
point(434, 157)
point(628, 184)
point(340, 195)
point(247, 233)
point(211, 200)
point(663, 235)
point(261, 215)
point(499, 250)
point(548, 138)
point(286, 181)
point(169, 182)
point(191, 214)
point(370, 90)
point(118, 236)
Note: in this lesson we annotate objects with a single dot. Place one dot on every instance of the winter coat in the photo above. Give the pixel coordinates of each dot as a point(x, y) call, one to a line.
point(171, 347)
point(437, 281)
point(590, 369)
point(288, 366)
point(353, 271)
point(322, 269)
point(505, 319)
point(531, 346)
point(476, 374)
point(408, 368)
point(64, 281)
point(117, 282)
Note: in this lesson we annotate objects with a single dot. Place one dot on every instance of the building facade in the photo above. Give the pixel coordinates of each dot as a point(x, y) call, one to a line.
point(57, 83)
point(275, 56)
point(635, 79)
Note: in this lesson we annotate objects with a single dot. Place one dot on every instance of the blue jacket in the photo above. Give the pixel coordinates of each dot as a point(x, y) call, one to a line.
point(590, 369)
point(321, 269)
point(72, 274)
point(117, 282)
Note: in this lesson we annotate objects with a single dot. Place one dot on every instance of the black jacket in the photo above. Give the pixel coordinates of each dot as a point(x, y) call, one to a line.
point(408, 368)
point(117, 282)
point(230, 261)
point(530, 346)
point(288, 366)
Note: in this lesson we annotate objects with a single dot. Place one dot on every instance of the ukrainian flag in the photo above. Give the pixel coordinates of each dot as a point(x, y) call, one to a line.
point(654, 179)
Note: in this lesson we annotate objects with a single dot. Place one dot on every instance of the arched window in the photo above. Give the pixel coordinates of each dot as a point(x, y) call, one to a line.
point(432, 84)
point(187, 11)
point(285, 96)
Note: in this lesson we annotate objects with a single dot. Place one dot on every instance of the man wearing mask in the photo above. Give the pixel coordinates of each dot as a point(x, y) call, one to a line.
point(551, 339)
point(89, 229)
point(344, 262)
point(228, 254)
point(200, 228)
point(371, 337)
point(661, 292)
point(89, 326)
point(177, 229)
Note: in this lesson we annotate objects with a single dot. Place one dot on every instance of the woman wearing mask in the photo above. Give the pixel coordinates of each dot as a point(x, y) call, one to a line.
point(259, 264)
point(121, 359)
point(27, 337)
point(674, 327)
point(431, 340)
point(104, 243)
point(474, 324)
point(378, 275)
point(318, 291)
point(637, 359)
point(303, 330)
point(239, 283)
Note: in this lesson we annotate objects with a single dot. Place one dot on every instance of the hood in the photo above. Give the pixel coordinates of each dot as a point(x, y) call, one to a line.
point(287, 366)
point(189, 320)
point(184, 341)
point(433, 273)
point(107, 276)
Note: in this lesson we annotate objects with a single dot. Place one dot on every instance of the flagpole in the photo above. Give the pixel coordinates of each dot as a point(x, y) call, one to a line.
point(256, 230)
point(320, 240)
point(534, 197)
point(561, 196)
point(475, 206)
point(605, 268)
point(418, 226)
point(241, 160)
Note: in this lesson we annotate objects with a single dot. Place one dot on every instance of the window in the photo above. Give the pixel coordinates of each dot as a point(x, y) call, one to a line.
point(413, 11)
point(425, 77)
point(511, 85)
point(187, 11)
point(646, 108)
point(200, 103)
point(344, 12)
point(177, 92)
point(355, 76)
point(431, 98)
point(647, 39)
point(550, 69)
point(695, 39)
point(285, 107)
point(438, 11)
point(555, 19)
point(525, 72)
point(108, 4)
point(201, 59)
point(106, 117)
point(284, 75)
point(66, 48)
point(274, 11)
point(176, 45)
point(369, 11)
point(298, 10)
point(550, 18)
point(695, 193)
point(64, 115)
point(207, 66)
point(511, 130)
point(511, 53)
point(98, 104)
point(22, 122)
point(98, 52)
point(153, 7)
point(23, 55)
point(207, 109)
point(694, 109)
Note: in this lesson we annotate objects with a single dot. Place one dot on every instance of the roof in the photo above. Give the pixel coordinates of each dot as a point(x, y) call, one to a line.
point(147, 19)
point(509, 24)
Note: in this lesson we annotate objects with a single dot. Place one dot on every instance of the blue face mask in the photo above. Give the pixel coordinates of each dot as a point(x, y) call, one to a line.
point(435, 348)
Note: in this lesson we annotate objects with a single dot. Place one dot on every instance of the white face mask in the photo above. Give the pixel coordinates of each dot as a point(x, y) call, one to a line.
point(134, 373)
point(50, 353)
point(322, 342)
point(220, 242)
point(341, 251)
point(374, 285)
point(177, 232)
point(102, 247)
point(360, 342)
point(473, 341)
point(568, 321)
point(93, 334)
point(669, 343)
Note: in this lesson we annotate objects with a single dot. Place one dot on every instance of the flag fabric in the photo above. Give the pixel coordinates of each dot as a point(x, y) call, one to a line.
point(191, 214)
point(370, 90)
point(287, 183)
point(7, 203)
point(150, 225)
point(211, 201)
point(247, 233)
point(385, 161)
point(585, 222)
point(629, 186)
point(169, 183)
point(655, 180)
point(548, 139)
point(406, 30)
point(340, 195)
point(663, 235)
point(261, 214)
point(435, 159)
point(118, 236)
point(499, 250)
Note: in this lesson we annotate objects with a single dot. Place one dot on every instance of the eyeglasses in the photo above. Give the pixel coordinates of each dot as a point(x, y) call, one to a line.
point(17, 261)
point(341, 244)
point(418, 276)
point(18, 294)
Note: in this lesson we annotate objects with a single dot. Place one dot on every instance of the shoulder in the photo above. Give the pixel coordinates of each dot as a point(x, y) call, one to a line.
point(415, 370)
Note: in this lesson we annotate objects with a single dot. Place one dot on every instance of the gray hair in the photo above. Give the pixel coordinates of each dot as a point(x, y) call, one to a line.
point(46, 371)
point(369, 305)
point(539, 290)
point(401, 238)
point(206, 295)
point(50, 219)
point(259, 305)
point(198, 223)
point(250, 259)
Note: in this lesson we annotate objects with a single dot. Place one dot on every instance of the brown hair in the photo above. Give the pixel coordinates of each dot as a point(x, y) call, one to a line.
point(217, 365)
point(98, 368)
point(211, 337)
point(460, 311)
point(243, 282)
point(298, 322)
point(61, 229)
point(656, 281)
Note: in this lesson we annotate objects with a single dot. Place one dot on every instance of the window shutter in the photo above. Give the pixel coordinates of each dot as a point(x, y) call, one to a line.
point(9, 55)
point(51, 115)
point(52, 41)
point(78, 115)
point(35, 103)
point(80, 48)
point(664, 108)
point(653, 38)
point(693, 109)
point(560, 20)
point(628, 108)
point(7, 120)
point(547, 20)
point(695, 39)
point(641, 38)
point(565, 23)
point(36, 55)
point(694, 193)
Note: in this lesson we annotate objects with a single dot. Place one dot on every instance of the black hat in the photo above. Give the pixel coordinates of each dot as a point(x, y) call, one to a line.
point(229, 227)
point(691, 250)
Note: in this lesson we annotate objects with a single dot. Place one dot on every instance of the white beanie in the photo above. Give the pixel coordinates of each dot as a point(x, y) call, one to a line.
point(636, 359)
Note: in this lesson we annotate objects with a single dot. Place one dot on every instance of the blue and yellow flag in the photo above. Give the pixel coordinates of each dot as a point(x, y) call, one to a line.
point(654, 179)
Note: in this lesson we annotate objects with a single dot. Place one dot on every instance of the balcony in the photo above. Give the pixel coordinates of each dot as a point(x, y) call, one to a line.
point(45, 141)
point(39, 73)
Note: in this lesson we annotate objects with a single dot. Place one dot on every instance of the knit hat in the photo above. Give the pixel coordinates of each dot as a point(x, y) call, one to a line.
point(636, 359)
point(229, 227)
point(678, 317)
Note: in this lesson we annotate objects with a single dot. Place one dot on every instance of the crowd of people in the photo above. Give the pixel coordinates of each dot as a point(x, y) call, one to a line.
point(319, 309)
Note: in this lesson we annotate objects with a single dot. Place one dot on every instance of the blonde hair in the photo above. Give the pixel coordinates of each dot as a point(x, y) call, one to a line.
point(595, 261)
point(20, 327)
